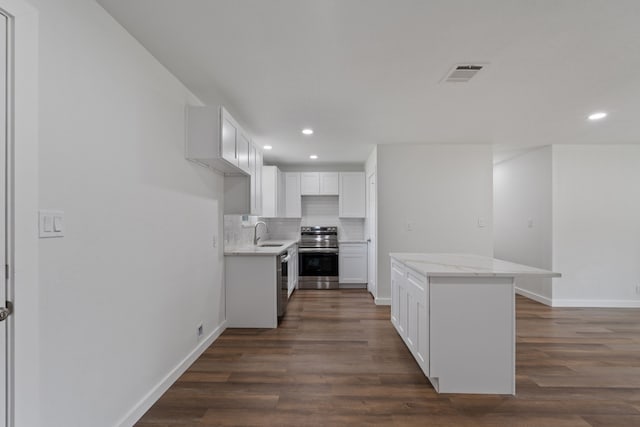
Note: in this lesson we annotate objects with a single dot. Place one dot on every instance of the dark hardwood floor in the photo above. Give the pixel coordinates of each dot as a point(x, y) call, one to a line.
point(336, 360)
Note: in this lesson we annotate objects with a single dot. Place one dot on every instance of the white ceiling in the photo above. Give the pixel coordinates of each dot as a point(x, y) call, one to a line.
point(365, 72)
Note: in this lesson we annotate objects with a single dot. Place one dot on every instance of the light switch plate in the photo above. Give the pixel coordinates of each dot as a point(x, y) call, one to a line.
point(51, 224)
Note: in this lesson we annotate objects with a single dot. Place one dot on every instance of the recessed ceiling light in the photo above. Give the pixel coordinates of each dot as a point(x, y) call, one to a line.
point(267, 147)
point(597, 116)
point(307, 131)
point(313, 156)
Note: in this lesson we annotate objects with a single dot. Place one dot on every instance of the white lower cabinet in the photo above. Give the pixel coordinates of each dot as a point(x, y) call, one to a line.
point(292, 269)
point(251, 291)
point(418, 318)
point(397, 281)
point(352, 263)
point(409, 311)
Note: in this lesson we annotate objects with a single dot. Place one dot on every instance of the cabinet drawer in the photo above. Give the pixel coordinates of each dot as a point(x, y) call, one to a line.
point(353, 248)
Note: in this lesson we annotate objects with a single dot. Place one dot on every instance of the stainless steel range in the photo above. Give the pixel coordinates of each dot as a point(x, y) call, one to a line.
point(318, 258)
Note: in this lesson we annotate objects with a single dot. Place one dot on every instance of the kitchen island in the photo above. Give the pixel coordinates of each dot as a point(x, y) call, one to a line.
point(456, 314)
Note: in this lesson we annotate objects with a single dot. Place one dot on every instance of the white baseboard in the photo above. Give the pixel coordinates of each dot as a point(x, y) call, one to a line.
point(536, 297)
point(592, 303)
point(156, 392)
point(383, 301)
point(597, 303)
point(352, 285)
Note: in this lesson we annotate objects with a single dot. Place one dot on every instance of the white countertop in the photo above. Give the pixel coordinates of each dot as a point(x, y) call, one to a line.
point(260, 250)
point(467, 265)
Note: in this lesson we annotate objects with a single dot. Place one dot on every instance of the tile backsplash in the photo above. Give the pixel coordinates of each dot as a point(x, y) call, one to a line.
point(238, 230)
point(316, 210)
point(283, 228)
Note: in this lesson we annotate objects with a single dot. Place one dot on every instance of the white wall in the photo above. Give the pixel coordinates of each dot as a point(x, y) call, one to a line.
point(442, 190)
point(123, 292)
point(596, 221)
point(522, 216)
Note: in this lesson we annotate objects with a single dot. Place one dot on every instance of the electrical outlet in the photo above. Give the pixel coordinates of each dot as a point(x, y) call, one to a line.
point(215, 241)
point(410, 225)
point(637, 289)
point(200, 330)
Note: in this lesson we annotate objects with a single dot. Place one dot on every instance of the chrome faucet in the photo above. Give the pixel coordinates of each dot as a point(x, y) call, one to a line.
point(255, 231)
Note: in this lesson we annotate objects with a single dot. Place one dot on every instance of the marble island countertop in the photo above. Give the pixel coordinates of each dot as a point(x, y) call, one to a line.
point(266, 248)
point(467, 265)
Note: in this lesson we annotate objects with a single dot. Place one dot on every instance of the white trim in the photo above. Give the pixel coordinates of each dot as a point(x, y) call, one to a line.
point(156, 392)
point(513, 334)
point(536, 297)
point(9, 236)
point(588, 303)
point(372, 263)
point(594, 303)
point(352, 286)
point(383, 301)
point(24, 291)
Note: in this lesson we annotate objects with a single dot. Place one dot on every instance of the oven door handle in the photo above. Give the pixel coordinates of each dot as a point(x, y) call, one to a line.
point(318, 250)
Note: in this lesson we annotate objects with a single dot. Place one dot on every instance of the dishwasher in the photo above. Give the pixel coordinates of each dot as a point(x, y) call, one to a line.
point(282, 271)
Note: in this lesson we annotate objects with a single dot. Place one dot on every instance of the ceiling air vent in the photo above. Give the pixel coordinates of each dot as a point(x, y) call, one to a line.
point(462, 73)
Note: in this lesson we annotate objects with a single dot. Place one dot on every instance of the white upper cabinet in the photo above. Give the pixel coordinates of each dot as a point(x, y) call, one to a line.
point(272, 192)
point(319, 183)
point(228, 137)
point(244, 148)
point(351, 200)
point(255, 168)
point(283, 191)
point(293, 201)
point(215, 139)
point(258, 182)
point(309, 183)
point(243, 193)
point(329, 183)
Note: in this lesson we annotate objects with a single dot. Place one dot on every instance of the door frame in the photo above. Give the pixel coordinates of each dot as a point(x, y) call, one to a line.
point(22, 175)
point(372, 258)
point(6, 332)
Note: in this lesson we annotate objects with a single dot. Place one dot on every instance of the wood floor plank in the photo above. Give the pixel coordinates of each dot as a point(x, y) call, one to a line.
point(337, 361)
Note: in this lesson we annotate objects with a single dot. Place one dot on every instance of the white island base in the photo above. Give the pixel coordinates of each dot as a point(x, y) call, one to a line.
point(456, 314)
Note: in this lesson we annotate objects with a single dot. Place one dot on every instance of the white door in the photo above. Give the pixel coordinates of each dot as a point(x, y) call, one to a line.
point(371, 232)
point(3, 219)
